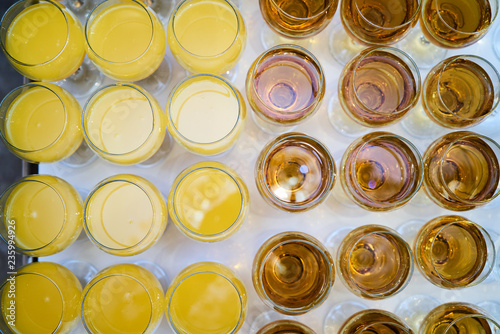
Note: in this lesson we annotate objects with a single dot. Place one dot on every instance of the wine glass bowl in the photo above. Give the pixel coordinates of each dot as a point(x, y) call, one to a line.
point(375, 321)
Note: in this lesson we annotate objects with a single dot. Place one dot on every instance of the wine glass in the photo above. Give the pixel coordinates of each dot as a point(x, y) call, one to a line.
point(453, 252)
point(374, 262)
point(194, 306)
point(293, 21)
point(125, 214)
point(122, 298)
point(285, 326)
point(371, 23)
point(285, 85)
point(375, 321)
point(461, 170)
point(381, 171)
point(295, 172)
point(293, 273)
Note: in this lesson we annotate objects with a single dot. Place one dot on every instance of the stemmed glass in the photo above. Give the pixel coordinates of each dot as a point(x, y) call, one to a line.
point(285, 326)
point(374, 321)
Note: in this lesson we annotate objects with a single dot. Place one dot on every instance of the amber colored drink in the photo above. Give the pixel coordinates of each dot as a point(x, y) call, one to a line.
point(285, 326)
point(374, 321)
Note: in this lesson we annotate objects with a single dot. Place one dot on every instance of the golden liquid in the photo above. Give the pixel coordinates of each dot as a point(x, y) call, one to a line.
point(381, 171)
point(457, 24)
point(379, 22)
point(285, 327)
point(378, 90)
point(374, 321)
point(458, 94)
point(293, 271)
point(298, 18)
point(438, 320)
point(374, 262)
point(468, 175)
point(451, 251)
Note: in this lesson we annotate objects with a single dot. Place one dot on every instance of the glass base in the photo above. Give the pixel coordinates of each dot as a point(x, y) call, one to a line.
point(342, 47)
point(265, 318)
point(162, 8)
point(81, 8)
point(340, 313)
point(424, 53)
point(419, 125)
point(84, 81)
point(83, 156)
point(335, 238)
point(155, 270)
point(496, 45)
point(414, 309)
point(409, 230)
point(84, 271)
point(269, 38)
point(161, 154)
point(273, 129)
point(159, 80)
point(342, 123)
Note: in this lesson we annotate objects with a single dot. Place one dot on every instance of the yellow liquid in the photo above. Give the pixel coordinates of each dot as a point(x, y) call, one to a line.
point(208, 203)
point(206, 298)
point(37, 39)
point(42, 124)
point(123, 298)
point(124, 124)
point(126, 41)
point(46, 212)
point(206, 115)
point(206, 36)
point(125, 215)
point(45, 294)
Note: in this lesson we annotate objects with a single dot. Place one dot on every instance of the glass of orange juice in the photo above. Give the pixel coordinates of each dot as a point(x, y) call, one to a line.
point(41, 297)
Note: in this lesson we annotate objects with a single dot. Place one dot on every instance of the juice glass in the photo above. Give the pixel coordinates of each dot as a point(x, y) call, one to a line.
point(123, 123)
point(41, 297)
point(206, 298)
point(208, 201)
point(122, 298)
point(40, 215)
point(42, 40)
point(206, 114)
point(40, 122)
point(125, 214)
point(206, 36)
point(125, 39)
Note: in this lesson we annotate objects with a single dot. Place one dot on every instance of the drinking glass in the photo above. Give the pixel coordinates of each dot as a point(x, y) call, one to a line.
point(40, 215)
point(461, 170)
point(205, 114)
point(461, 91)
point(284, 86)
point(458, 318)
point(124, 215)
point(375, 321)
point(376, 88)
point(285, 326)
point(453, 252)
point(371, 23)
point(40, 122)
point(206, 36)
point(124, 124)
point(206, 298)
point(208, 201)
point(122, 298)
point(295, 172)
point(374, 262)
point(41, 297)
point(381, 171)
point(293, 273)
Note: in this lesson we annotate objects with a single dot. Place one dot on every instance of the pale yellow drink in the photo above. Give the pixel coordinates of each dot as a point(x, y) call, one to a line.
point(206, 298)
point(123, 298)
point(123, 123)
point(125, 214)
point(41, 215)
point(41, 122)
point(205, 114)
point(125, 39)
point(206, 36)
point(43, 41)
point(46, 298)
point(208, 201)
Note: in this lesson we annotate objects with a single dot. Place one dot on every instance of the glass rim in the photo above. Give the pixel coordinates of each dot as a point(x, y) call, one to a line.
point(284, 13)
point(310, 241)
point(188, 172)
point(239, 23)
point(449, 146)
point(102, 91)
point(468, 316)
point(412, 18)
point(178, 284)
point(316, 64)
point(99, 280)
point(24, 88)
point(404, 58)
point(318, 146)
point(286, 322)
point(447, 62)
point(122, 178)
point(490, 258)
point(360, 148)
point(95, 12)
point(187, 82)
point(34, 2)
point(402, 284)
